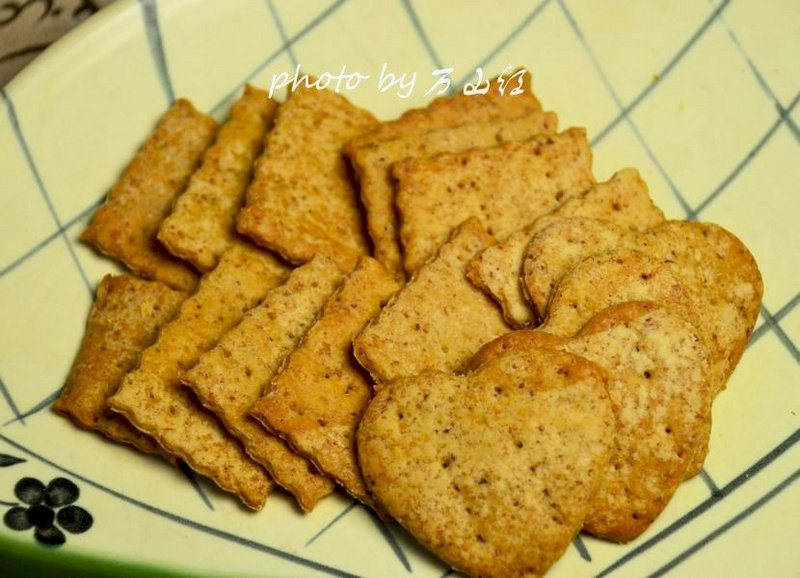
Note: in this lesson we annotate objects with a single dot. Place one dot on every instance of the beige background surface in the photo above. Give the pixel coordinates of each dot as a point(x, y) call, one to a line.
point(701, 97)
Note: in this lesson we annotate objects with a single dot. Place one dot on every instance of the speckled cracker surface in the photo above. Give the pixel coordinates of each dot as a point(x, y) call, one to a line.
point(494, 470)
point(659, 387)
point(153, 399)
point(558, 247)
point(124, 320)
point(126, 225)
point(624, 200)
point(302, 200)
point(506, 186)
point(203, 219)
point(610, 278)
point(316, 400)
point(719, 276)
point(372, 163)
point(505, 98)
point(229, 378)
point(660, 392)
point(438, 320)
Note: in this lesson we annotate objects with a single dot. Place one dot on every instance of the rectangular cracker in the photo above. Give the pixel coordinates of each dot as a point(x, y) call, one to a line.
point(202, 223)
point(231, 377)
point(153, 399)
point(372, 162)
point(124, 320)
point(126, 225)
point(452, 111)
point(624, 199)
point(505, 186)
point(302, 200)
point(316, 400)
point(438, 320)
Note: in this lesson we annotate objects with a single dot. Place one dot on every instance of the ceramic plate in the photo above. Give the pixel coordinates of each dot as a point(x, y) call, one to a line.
point(701, 97)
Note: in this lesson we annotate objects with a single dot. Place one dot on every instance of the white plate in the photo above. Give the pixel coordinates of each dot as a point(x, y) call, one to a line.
point(701, 97)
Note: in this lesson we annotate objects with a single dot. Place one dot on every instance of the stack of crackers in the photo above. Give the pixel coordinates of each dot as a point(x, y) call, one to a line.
point(443, 315)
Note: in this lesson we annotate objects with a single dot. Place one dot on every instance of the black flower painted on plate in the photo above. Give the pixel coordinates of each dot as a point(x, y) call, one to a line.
point(49, 510)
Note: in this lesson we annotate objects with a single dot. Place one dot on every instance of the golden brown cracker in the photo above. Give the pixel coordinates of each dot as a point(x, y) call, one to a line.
point(607, 279)
point(624, 200)
point(660, 392)
point(302, 200)
point(718, 274)
point(505, 186)
point(558, 247)
point(230, 378)
point(203, 219)
point(659, 387)
point(316, 400)
point(494, 470)
point(153, 399)
point(126, 225)
point(438, 320)
point(125, 318)
point(508, 96)
point(722, 281)
point(372, 163)
point(699, 269)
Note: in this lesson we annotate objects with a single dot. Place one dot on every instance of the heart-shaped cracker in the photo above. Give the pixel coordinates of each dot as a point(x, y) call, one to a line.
point(718, 274)
point(493, 470)
point(612, 278)
point(561, 245)
point(624, 200)
point(660, 391)
point(607, 279)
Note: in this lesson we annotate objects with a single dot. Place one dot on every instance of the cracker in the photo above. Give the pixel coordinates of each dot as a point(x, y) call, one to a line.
point(624, 200)
point(718, 274)
point(438, 320)
point(452, 111)
point(153, 399)
point(721, 280)
point(202, 222)
point(559, 246)
point(506, 186)
point(715, 283)
point(302, 200)
point(316, 400)
point(494, 470)
point(229, 378)
point(607, 279)
point(659, 389)
point(124, 320)
point(372, 163)
point(126, 225)
point(661, 394)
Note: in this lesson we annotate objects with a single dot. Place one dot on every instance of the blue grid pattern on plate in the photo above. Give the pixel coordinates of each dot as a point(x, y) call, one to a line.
point(771, 321)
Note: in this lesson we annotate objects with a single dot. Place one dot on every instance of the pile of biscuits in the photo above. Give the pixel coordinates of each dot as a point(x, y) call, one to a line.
point(444, 315)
